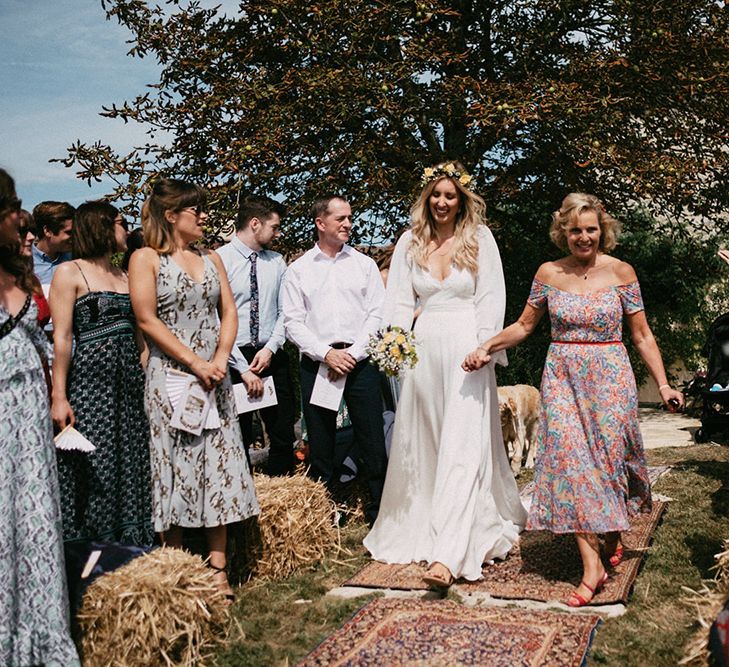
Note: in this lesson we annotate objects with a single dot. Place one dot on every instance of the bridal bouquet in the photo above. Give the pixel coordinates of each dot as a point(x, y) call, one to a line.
point(392, 349)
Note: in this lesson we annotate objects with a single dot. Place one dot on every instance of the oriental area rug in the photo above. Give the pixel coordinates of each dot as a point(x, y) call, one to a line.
point(415, 632)
point(541, 567)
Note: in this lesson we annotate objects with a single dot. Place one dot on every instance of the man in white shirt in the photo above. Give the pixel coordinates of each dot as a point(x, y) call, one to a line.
point(255, 274)
point(332, 298)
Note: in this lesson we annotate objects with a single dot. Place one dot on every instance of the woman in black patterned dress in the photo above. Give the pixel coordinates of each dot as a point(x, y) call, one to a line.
point(99, 387)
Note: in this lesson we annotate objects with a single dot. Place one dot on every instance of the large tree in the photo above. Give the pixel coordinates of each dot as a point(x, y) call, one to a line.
point(623, 98)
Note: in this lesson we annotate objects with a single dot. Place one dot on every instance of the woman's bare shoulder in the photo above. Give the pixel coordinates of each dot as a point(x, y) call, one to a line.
point(547, 271)
point(624, 272)
point(144, 258)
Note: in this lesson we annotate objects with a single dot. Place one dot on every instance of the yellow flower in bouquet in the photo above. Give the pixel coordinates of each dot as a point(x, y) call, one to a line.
point(392, 349)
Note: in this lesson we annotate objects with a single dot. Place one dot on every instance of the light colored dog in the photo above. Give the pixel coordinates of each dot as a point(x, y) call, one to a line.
point(519, 407)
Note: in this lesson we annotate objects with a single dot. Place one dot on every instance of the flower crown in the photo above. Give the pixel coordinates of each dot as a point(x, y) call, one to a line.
point(447, 170)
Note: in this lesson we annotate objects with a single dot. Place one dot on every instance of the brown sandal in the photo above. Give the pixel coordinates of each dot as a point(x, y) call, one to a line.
point(230, 597)
point(439, 582)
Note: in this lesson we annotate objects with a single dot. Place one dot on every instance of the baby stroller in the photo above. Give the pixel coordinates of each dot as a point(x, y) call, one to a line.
point(715, 411)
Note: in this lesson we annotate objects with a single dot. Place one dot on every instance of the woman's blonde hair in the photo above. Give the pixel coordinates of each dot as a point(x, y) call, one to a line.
point(167, 195)
point(471, 214)
point(573, 205)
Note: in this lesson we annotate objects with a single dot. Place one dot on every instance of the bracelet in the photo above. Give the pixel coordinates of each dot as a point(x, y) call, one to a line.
point(664, 386)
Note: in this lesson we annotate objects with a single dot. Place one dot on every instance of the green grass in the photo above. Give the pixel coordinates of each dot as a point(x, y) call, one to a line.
point(657, 625)
point(272, 626)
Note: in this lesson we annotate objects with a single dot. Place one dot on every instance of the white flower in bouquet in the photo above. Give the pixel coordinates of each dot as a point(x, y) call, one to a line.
point(392, 349)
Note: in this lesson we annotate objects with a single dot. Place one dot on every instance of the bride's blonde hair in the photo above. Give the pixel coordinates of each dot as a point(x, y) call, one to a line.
point(471, 214)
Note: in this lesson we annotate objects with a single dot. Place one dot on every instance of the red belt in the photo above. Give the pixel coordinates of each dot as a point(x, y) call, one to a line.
point(588, 342)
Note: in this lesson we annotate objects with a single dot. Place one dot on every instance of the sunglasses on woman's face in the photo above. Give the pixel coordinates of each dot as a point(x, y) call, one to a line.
point(198, 210)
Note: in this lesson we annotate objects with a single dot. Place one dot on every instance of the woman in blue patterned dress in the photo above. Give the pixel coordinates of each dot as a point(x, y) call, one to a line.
point(590, 472)
point(105, 495)
point(34, 623)
point(185, 308)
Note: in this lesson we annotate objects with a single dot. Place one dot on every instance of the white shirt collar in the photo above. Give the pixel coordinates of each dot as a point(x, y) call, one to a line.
point(318, 252)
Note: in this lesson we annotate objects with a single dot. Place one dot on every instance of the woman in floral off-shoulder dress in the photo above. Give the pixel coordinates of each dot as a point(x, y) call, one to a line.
point(590, 472)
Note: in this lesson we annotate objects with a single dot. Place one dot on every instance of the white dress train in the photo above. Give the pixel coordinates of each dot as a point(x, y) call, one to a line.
point(449, 494)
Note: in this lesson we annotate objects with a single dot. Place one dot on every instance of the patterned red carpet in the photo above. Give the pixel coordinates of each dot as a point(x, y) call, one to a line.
point(542, 567)
point(416, 632)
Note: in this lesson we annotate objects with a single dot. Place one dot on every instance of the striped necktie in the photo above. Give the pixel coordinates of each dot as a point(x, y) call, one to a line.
point(254, 317)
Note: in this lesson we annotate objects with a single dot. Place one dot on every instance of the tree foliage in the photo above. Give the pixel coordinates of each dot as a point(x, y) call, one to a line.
point(623, 98)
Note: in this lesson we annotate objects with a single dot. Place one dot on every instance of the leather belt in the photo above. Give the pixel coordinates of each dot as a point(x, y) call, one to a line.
point(340, 345)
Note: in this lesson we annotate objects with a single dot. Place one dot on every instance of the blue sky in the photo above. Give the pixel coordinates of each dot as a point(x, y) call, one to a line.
point(62, 60)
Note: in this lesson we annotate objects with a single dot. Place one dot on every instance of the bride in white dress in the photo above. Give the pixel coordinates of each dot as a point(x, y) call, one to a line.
point(450, 498)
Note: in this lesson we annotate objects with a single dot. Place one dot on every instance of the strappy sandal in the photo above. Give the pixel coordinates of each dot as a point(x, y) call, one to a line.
point(617, 553)
point(229, 597)
point(435, 581)
point(617, 556)
point(576, 600)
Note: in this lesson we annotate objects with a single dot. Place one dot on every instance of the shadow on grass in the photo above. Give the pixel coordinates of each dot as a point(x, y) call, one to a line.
point(717, 470)
point(703, 548)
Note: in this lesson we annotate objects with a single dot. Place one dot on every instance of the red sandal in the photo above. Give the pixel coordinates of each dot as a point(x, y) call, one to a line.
point(617, 556)
point(576, 600)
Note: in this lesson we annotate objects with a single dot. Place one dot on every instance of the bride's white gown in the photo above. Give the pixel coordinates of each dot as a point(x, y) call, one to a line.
point(449, 494)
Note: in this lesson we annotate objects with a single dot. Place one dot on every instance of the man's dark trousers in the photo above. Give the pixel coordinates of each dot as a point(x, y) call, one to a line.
point(278, 419)
point(364, 402)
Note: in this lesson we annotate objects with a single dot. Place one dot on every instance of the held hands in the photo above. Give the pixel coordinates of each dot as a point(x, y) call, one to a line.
point(62, 413)
point(254, 384)
point(475, 360)
point(210, 373)
point(340, 363)
point(261, 361)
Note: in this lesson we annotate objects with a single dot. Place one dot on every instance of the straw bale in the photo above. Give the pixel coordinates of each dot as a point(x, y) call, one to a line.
point(162, 608)
point(707, 603)
point(294, 529)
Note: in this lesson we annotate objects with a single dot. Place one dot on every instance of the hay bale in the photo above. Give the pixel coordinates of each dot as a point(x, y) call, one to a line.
point(707, 603)
point(160, 609)
point(294, 529)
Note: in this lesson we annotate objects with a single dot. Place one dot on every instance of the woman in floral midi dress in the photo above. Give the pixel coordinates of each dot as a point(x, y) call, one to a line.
point(184, 306)
point(590, 471)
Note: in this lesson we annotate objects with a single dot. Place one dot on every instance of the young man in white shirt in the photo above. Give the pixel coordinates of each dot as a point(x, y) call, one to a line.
point(255, 274)
point(332, 298)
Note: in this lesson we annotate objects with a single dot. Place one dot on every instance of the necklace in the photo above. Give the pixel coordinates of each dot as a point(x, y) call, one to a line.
point(585, 274)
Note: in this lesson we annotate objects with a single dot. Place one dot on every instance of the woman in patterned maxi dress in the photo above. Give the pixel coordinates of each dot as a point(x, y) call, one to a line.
point(105, 495)
point(590, 471)
point(184, 306)
point(34, 621)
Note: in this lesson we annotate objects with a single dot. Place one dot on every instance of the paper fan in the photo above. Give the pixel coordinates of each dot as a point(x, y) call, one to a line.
point(176, 383)
point(69, 439)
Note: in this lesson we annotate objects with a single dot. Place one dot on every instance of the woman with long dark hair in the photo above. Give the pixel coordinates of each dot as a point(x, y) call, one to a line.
point(34, 623)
